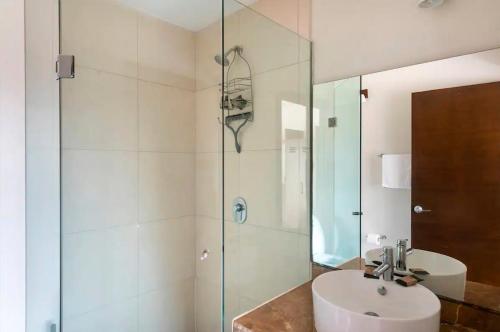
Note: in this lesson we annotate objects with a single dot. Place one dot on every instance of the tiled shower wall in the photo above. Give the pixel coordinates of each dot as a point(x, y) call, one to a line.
point(269, 254)
point(128, 168)
point(141, 171)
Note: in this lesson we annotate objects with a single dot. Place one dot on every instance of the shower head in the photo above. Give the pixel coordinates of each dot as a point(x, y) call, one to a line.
point(223, 60)
point(430, 3)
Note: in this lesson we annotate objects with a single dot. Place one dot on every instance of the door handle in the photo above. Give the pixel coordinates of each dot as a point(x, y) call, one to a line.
point(418, 209)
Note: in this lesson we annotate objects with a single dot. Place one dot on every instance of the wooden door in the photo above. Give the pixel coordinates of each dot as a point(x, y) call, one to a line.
point(456, 175)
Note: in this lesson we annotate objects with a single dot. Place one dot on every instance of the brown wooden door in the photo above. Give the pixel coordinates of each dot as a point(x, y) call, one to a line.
point(456, 174)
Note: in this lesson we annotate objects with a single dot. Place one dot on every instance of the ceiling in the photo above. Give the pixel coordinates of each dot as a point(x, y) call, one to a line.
point(193, 15)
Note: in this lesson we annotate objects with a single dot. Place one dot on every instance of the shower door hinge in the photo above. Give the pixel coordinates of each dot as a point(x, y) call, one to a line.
point(332, 122)
point(65, 66)
point(53, 327)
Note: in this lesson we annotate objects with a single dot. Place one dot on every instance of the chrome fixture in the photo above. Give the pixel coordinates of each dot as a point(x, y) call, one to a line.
point(237, 93)
point(239, 210)
point(430, 3)
point(223, 60)
point(387, 267)
point(204, 254)
point(65, 66)
point(402, 251)
point(418, 209)
point(382, 290)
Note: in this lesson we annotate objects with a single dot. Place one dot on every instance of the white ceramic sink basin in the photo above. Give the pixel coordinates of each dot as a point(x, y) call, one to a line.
point(447, 275)
point(342, 298)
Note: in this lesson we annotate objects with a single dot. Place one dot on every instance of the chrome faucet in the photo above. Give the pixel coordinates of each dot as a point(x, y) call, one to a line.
point(402, 252)
point(387, 267)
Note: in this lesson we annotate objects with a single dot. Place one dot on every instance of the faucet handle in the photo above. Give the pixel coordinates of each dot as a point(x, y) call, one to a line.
point(388, 255)
point(402, 242)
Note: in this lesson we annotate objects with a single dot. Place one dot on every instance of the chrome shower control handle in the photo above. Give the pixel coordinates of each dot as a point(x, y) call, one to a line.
point(419, 209)
point(239, 210)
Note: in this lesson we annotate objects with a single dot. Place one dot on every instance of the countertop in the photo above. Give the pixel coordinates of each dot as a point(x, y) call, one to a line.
point(293, 312)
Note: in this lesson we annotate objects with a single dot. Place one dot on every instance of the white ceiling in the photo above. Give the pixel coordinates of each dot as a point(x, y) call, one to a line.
point(193, 15)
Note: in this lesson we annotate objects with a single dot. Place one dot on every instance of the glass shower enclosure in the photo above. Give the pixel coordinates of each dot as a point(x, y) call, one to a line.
point(171, 220)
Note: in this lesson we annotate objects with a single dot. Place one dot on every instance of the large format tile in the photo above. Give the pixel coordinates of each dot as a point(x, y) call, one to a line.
point(166, 185)
point(261, 185)
point(208, 115)
point(101, 35)
point(99, 111)
point(267, 44)
point(274, 183)
point(271, 89)
point(209, 237)
point(99, 268)
point(170, 310)
point(270, 262)
point(208, 306)
point(166, 53)
point(117, 317)
point(166, 118)
point(166, 253)
point(208, 184)
point(208, 44)
point(99, 189)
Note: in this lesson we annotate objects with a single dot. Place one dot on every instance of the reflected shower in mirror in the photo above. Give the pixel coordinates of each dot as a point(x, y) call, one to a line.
point(429, 184)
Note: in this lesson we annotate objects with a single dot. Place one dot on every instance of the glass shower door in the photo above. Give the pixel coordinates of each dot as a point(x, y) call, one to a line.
point(136, 176)
point(336, 173)
point(266, 253)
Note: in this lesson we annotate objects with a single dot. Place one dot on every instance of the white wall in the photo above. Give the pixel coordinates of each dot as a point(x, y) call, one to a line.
point(359, 37)
point(386, 128)
point(12, 167)
point(42, 166)
point(128, 160)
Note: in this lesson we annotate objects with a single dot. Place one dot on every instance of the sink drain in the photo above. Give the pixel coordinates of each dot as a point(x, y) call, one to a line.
point(371, 313)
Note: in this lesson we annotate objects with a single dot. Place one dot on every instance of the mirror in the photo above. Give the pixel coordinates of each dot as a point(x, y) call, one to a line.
point(413, 154)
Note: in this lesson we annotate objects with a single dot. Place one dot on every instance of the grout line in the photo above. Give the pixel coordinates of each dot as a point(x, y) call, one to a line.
point(137, 224)
point(136, 78)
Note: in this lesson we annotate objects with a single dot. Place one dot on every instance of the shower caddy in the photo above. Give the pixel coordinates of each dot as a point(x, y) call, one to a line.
point(237, 96)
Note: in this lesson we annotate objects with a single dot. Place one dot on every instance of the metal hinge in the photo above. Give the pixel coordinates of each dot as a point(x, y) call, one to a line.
point(65, 66)
point(332, 122)
point(53, 327)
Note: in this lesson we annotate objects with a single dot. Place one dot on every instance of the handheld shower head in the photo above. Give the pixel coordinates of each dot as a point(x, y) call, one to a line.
point(223, 60)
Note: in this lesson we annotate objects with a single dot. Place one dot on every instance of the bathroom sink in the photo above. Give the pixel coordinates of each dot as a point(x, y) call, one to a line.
point(345, 301)
point(447, 275)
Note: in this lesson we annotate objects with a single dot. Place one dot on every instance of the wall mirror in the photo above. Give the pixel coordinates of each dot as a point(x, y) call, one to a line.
point(413, 154)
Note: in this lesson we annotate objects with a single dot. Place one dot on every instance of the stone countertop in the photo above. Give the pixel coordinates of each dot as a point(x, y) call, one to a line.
point(293, 312)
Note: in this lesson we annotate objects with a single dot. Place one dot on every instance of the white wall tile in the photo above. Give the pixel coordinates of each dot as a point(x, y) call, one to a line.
point(166, 53)
point(166, 118)
point(99, 111)
point(208, 184)
point(267, 45)
point(101, 35)
point(99, 268)
point(270, 90)
point(208, 306)
point(208, 114)
point(99, 189)
point(260, 181)
point(166, 253)
point(118, 317)
point(269, 263)
point(171, 310)
point(209, 237)
point(208, 44)
point(166, 185)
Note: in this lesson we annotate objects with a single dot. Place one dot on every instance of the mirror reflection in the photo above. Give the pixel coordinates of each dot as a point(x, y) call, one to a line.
point(409, 158)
